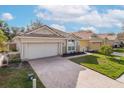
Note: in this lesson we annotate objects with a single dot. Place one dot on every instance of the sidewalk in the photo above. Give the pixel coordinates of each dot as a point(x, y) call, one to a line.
point(91, 79)
point(118, 54)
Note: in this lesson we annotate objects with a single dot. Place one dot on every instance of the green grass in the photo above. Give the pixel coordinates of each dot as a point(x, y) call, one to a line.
point(109, 66)
point(12, 77)
point(121, 50)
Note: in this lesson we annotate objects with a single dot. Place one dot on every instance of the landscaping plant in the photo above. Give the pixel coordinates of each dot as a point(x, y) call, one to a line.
point(3, 39)
point(106, 50)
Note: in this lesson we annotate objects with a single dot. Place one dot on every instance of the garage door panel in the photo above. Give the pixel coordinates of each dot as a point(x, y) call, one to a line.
point(33, 51)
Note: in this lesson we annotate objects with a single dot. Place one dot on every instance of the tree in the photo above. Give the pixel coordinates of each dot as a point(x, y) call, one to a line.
point(105, 40)
point(106, 50)
point(35, 24)
point(5, 28)
point(16, 31)
point(3, 40)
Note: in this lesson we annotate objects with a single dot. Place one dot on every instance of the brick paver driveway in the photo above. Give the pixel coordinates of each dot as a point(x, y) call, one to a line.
point(57, 72)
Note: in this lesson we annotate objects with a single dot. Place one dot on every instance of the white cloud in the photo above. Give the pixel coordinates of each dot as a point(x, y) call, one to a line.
point(66, 9)
point(99, 20)
point(89, 28)
point(82, 14)
point(42, 15)
point(59, 27)
point(7, 16)
point(64, 13)
point(115, 13)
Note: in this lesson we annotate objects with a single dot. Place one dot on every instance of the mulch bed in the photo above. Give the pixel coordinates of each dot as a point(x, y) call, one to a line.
point(17, 65)
point(73, 54)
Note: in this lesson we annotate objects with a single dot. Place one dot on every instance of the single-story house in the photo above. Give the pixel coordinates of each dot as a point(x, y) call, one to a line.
point(109, 39)
point(89, 40)
point(45, 41)
point(95, 42)
point(120, 36)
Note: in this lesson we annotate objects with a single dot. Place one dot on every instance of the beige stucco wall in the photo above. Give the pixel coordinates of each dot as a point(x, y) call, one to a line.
point(95, 45)
point(109, 43)
point(121, 36)
point(78, 46)
point(21, 43)
point(84, 44)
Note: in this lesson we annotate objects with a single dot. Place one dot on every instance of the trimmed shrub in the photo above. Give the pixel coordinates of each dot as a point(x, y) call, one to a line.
point(106, 50)
point(14, 57)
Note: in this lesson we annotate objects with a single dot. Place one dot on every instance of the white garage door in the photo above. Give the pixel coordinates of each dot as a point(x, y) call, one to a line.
point(32, 51)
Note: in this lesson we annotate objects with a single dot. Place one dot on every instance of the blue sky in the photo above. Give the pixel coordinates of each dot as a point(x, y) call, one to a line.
point(100, 19)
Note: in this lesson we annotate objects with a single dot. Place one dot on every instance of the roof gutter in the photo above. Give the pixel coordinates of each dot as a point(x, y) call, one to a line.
point(22, 37)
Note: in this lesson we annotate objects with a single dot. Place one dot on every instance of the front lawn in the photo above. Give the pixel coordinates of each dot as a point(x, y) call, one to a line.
point(121, 50)
point(17, 77)
point(112, 66)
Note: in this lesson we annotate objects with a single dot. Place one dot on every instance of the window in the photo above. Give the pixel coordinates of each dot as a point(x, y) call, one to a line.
point(73, 48)
point(71, 45)
point(69, 48)
point(71, 42)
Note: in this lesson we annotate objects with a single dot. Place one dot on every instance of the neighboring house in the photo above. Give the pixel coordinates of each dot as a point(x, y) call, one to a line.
point(89, 40)
point(95, 42)
point(45, 42)
point(109, 39)
point(120, 36)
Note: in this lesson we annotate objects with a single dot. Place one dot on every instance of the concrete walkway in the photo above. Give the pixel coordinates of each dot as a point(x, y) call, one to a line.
point(118, 54)
point(57, 72)
point(91, 79)
point(121, 78)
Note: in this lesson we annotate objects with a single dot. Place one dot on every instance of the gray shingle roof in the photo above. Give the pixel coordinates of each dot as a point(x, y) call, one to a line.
point(42, 35)
point(59, 33)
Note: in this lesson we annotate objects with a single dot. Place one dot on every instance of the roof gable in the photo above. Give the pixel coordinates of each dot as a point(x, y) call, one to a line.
point(44, 30)
point(70, 36)
point(107, 36)
point(84, 34)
